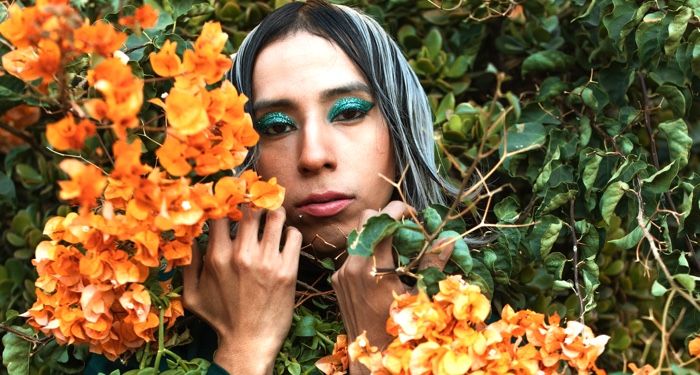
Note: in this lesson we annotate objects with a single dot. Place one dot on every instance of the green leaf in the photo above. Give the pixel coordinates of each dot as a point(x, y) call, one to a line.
point(506, 210)
point(7, 187)
point(16, 352)
point(660, 182)
point(433, 42)
point(305, 327)
point(630, 240)
point(458, 67)
point(679, 142)
point(374, 231)
point(546, 61)
point(432, 219)
point(554, 263)
point(615, 22)
point(649, 36)
point(674, 99)
point(430, 278)
point(676, 29)
point(408, 239)
point(460, 254)
point(446, 108)
point(524, 136)
point(543, 236)
point(590, 171)
point(658, 290)
point(28, 175)
point(610, 198)
point(294, 368)
point(687, 281)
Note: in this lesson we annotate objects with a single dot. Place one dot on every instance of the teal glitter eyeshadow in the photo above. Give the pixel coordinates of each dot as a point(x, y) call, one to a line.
point(351, 103)
point(272, 118)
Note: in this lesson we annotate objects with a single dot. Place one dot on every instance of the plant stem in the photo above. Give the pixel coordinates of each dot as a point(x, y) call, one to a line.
point(161, 341)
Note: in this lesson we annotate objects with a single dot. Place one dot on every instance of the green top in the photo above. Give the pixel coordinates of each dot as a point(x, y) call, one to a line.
point(204, 345)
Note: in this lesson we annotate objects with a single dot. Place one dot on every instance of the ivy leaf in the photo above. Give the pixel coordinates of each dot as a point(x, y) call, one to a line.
point(15, 355)
point(546, 61)
point(610, 198)
point(544, 235)
point(679, 142)
point(374, 231)
point(506, 210)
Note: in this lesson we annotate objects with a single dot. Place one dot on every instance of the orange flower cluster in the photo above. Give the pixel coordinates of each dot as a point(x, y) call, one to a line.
point(448, 335)
point(135, 219)
point(50, 34)
point(207, 129)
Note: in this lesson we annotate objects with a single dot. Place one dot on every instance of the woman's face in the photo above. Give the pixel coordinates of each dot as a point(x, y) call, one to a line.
point(322, 136)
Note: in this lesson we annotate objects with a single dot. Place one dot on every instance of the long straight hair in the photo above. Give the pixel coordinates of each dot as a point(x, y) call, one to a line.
point(394, 85)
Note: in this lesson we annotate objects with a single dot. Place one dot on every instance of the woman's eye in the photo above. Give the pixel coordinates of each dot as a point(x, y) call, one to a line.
point(349, 109)
point(275, 123)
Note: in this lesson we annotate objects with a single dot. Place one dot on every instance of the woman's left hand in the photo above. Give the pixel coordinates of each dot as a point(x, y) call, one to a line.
point(365, 299)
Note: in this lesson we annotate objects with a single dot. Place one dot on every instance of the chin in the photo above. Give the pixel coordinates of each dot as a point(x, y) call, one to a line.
point(326, 243)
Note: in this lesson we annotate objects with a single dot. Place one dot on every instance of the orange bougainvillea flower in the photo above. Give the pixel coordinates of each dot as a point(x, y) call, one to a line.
point(122, 95)
point(171, 156)
point(185, 113)
point(166, 63)
point(66, 134)
point(268, 195)
point(85, 185)
point(99, 37)
point(144, 17)
point(337, 362)
point(694, 347)
point(29, 63)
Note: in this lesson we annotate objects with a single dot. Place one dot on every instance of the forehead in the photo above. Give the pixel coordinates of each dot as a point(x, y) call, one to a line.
point(300, 66)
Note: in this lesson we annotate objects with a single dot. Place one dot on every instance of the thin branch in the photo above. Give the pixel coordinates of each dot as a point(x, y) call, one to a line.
point(25, 137)
point(577, 286)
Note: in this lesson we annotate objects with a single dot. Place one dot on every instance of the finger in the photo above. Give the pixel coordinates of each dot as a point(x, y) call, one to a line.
point(292, 248)
point(219, 232)
point(247, 235)
point(439, 254)
point(397, 209)
point(190, 275)
point(272, 233)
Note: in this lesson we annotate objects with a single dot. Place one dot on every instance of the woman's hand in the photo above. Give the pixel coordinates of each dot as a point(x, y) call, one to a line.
point(245, 290)
point(365, 299)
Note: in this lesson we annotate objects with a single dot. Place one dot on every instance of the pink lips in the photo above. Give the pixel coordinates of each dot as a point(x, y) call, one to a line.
point(326, 204)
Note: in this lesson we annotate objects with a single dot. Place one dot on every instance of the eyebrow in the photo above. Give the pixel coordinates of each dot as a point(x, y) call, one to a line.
point(325, 95)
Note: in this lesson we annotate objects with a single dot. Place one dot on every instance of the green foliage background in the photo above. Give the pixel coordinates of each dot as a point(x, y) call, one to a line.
point(603, 94)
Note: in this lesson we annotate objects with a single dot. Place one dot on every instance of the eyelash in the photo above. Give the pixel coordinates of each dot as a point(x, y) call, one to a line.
point(355, 107)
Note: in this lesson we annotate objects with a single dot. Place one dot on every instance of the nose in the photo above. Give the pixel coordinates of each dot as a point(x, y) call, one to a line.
point(316, 148)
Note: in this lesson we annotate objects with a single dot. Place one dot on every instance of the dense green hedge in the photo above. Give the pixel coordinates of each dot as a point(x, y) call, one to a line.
point(595, 194)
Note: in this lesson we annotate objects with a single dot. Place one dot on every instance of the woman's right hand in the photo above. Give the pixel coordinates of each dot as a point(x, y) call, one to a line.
point(244, 289)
